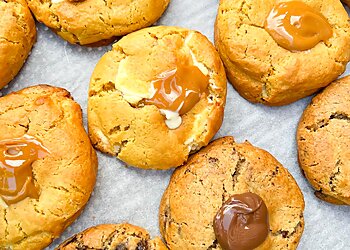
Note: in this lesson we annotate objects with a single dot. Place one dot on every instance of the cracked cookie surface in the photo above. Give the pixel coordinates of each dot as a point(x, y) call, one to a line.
point(198, 189)
point(17, 36)
point(324, 143)
point(263, 72)
point(96, 22)
point(119, 122)
point(66, 176)
point(113, 237)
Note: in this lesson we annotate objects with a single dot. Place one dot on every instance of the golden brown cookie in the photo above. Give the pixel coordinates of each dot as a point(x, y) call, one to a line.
point(47, 166)
point(324, 143)
point(17, 36)
point(199, 189)
point(127, 114)
point(96, 22)
point(113, 236)
point(263, 71)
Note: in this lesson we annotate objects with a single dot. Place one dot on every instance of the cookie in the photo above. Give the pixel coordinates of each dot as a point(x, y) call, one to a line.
point(236, 187)
point(47, 166)
point(113, 236)
point(17, 37)
point(158, 96)
point(278, 52)
point(96, 22)
point(323, 142)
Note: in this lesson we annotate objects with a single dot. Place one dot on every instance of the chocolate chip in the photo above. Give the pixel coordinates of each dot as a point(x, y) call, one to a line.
point(284, 234)
point(214, 245)
point(213, 160)
point(121, 246)
point(142, 245)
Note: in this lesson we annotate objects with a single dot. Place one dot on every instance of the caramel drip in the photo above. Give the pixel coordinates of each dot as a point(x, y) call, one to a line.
point(296, 26)
point(179, 89)
point(16, 176)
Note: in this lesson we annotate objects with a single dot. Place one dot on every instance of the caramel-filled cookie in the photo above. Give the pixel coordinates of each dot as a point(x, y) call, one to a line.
point(47, 166)
point(277, 52)
point(96, 22)
point(324, 143)
point(157, 97)
point(232, 196)
point(113, 236)
point(17, 36)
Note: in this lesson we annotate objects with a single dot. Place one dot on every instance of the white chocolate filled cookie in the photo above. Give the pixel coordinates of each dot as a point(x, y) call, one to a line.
point(158, 96)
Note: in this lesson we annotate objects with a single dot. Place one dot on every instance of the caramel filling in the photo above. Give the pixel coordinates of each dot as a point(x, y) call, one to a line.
point(16, 176)
point(179, 90)
point(297, 27)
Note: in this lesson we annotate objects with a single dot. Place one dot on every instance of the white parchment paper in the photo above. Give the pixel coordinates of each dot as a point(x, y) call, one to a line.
point(132, 195)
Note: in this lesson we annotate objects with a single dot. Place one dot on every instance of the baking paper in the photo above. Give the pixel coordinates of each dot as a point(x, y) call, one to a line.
point(125, 194)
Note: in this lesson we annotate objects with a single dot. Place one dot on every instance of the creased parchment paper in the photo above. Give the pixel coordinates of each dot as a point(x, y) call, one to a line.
point(131, 195)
